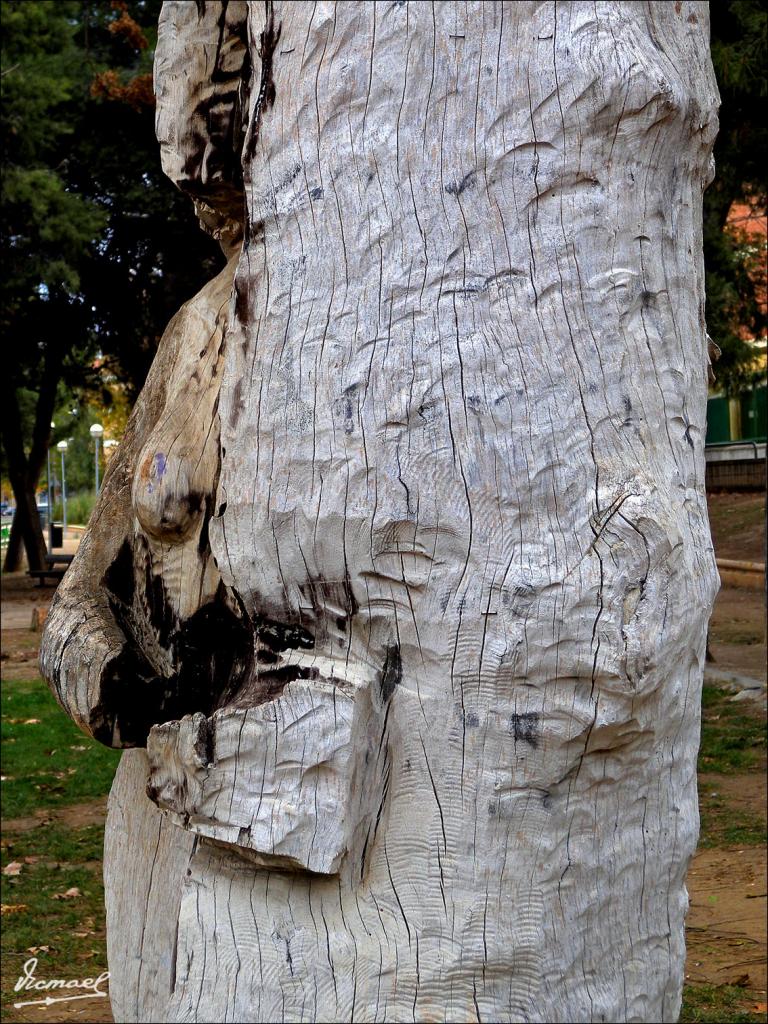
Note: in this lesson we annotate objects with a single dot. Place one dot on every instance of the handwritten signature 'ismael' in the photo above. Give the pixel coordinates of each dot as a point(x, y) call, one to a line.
point(28, 982)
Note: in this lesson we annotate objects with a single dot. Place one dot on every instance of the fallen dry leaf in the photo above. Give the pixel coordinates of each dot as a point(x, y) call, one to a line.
point(760, 1008)
point(70, 894)
point(31, 721)
point(83, 935)
point(31, 860)
point(34, 950)
point(14, 868)
point(12, 908)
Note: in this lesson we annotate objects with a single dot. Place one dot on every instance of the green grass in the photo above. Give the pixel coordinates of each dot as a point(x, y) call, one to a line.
point(72, 929)
point(733, 739)
point(720, 1004)
point(732, 735)
point(48, 762)
point(722, 824)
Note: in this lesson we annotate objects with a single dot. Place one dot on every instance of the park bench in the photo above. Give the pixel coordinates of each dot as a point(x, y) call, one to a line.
point(51, 571)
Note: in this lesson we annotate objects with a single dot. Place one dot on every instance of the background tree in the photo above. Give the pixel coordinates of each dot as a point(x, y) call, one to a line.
point(47, 230)
point(100, 249)
point(735, 265)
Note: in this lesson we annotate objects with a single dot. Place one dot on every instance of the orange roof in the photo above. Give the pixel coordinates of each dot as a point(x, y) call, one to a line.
point(752, 222)
point(745, 217)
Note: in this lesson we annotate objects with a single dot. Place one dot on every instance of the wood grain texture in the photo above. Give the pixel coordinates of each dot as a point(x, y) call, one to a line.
point(415, 632)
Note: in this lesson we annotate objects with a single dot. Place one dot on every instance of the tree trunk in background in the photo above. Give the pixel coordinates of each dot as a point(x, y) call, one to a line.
point(13, 560)
point(26, 532)
point(402, 572)
point(25, 468)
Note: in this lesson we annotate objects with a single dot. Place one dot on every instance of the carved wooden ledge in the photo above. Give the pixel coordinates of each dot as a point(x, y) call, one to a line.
point(297, 782)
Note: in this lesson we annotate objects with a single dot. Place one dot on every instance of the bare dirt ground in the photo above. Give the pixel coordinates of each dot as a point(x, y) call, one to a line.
point(737, 632)
point(725, 929)
point(21, 598)
point(738, 525)
point(726, 926)
point(93, 812)
point(89, 1011)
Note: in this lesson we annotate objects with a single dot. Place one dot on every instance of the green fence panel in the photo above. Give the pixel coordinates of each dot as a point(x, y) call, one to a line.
point(754, 413)
point(718, 421)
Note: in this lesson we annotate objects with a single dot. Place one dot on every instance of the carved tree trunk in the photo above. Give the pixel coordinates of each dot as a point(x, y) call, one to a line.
point(403, 570)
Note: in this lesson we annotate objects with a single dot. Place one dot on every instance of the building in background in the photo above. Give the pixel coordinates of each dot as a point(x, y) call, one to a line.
point(745, 416)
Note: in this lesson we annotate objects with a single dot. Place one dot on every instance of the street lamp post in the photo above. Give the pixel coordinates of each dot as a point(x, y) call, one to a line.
point(96, 433)
point(62, 446)
point(49, 492)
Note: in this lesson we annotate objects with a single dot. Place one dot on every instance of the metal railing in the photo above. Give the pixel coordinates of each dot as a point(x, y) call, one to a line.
point(753, 443)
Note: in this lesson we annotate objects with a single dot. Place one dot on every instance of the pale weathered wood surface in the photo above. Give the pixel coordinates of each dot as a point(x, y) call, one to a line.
point(404, 573)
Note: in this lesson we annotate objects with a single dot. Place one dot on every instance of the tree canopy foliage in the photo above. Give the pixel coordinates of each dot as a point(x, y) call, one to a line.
point(735, 262)
point(100, 249)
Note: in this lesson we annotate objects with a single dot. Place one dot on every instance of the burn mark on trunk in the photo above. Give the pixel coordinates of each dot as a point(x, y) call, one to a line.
point(331, 602)
point(237, 396)
point(241, 309)
point(392, 672)
point(266, 685)
point(222, 22)
point(268, 673)
point(268, 41)
point(253, 231)
point(205, 741)
point(278, 637)
point(211, 652)
point(213, 131)
point(525, 728)
point(203, 542)
point(456, 188)
point(161, 615)
point(211, 648)
point(119, 579)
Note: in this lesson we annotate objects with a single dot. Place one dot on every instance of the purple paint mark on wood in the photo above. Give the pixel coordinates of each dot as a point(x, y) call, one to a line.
point(157, 472)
